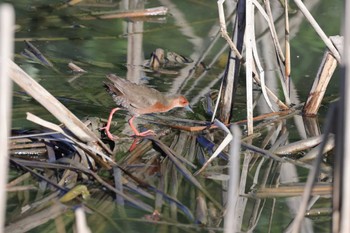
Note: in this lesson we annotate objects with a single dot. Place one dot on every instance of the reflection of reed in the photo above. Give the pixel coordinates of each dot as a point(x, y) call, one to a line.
point(134, 34)
point(188, 31)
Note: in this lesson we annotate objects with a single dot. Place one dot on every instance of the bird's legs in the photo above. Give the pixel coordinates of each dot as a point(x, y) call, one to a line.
point(136, 132)
point(108, 126)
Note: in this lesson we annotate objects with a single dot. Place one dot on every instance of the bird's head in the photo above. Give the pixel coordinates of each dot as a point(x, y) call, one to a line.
point(181, 101)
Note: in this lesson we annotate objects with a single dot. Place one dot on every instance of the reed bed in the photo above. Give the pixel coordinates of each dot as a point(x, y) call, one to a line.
point(210, 173)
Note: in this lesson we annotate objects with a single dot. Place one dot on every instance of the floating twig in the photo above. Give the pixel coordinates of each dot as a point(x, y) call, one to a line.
point(155, 11)
point(75, 68)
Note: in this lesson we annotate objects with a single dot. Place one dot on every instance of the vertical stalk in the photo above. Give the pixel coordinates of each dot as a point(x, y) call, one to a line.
point(230, 79)
point(345, 199)
point(231, 223)
point(287, 55)
point(6, 52)
point(249, 63)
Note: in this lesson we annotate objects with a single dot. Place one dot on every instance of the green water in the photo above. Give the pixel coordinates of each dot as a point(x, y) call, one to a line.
point(121, 46)
point(100, 47)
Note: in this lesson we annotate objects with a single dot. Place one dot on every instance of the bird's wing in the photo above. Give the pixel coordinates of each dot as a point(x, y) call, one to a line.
point(138, 96)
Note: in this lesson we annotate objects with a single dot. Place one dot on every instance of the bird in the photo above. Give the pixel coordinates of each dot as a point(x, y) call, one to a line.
point(139, 99)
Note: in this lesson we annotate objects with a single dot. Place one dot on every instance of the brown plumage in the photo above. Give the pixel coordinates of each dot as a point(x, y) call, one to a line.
point(139, 99)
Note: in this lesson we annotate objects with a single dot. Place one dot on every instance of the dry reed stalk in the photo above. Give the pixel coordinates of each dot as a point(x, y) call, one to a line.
point(249, 63)
point(297, 146)
point(81, 224)
point(55, 107)
point(201, 209)
point(273, 97)
point(263, 176)
point(7, 19)
point(223, 30)
point(240, 207)
point(267, 15)
point(229, 82)
point(345, 176)
point(155, 11)
point(19, 179)
point(75, 68)
point(280, 57)
point(220, 148)
point(272, 28)
point(281, 60)
point(231, 218)
point(281, 114)
point(287, 61)
point(40, 217)
point(232, 69)
point(312, 154)
point(21, 188)
point(292, 190)
point(263, 152)
point(102, 159)
point(319, 87)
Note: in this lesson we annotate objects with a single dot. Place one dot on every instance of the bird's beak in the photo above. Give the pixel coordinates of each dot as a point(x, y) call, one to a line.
point(188, 108)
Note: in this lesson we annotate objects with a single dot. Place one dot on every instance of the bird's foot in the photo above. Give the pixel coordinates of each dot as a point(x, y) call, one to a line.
point(137, 133)
point(145, 133)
